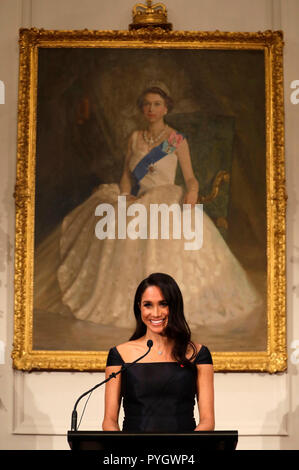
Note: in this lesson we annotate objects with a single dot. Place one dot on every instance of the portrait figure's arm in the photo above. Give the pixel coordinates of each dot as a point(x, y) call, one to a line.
point(125, 181)
point(183, 152)
point(112, 400)
point(205, 397)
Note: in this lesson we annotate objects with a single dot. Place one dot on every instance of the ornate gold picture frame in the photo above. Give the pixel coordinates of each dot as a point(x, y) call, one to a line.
point(229, 87)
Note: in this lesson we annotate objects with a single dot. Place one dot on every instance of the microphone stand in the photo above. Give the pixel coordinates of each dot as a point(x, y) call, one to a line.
point(111, 376)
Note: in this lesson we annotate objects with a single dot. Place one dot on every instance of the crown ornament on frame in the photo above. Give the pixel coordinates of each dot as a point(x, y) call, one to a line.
point(150, 16)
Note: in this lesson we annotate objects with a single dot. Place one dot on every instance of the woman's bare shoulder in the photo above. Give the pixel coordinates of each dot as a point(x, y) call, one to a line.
point(198, 347)
point(123, 346)
point(193, 349)
point(134, 134)
point(128, 347)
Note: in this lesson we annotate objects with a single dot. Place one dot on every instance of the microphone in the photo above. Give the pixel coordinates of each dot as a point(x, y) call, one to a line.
point(111, 376)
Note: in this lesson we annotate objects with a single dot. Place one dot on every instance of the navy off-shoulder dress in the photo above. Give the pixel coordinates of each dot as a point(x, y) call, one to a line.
point(159, 396)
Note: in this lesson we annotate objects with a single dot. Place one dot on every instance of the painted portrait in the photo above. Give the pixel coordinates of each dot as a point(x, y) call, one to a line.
point(91, 133)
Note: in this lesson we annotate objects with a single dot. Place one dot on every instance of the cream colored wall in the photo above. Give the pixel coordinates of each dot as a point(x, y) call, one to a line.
point(35, 408)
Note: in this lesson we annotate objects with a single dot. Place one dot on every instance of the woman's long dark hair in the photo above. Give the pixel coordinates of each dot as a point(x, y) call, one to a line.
point(177, 328)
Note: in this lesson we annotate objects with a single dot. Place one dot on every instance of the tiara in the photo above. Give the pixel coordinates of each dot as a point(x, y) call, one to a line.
point(150, 15)
point(158, 84)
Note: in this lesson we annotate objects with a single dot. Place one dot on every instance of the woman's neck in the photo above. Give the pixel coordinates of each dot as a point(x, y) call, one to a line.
point(159, 342)
point(156, 127)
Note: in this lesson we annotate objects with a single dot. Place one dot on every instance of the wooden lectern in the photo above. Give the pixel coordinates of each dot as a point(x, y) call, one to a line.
point(142, 443)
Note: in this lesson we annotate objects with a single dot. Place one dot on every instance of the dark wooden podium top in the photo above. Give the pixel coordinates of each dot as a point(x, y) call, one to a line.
point(143, 442)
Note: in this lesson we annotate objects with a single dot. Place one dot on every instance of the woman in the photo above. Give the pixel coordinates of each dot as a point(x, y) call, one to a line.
point(155, 104)
point(97, 278)
point(159, 391)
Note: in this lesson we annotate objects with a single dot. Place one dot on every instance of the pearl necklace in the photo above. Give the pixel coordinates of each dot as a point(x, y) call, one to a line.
point(151, 140)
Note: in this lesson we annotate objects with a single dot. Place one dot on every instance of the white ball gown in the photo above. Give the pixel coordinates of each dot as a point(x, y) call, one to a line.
point(98, 278)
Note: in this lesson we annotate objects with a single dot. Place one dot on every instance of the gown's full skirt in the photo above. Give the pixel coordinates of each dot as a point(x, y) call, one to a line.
point(98, 278)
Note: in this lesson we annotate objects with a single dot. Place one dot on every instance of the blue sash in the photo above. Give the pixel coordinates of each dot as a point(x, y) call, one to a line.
point(154, 155)
point(142, 167)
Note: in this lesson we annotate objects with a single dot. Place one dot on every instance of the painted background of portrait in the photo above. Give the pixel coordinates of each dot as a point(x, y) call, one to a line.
point(86, 111)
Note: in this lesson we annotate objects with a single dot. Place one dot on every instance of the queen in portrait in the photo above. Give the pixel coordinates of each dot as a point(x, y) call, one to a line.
point(97, 275)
